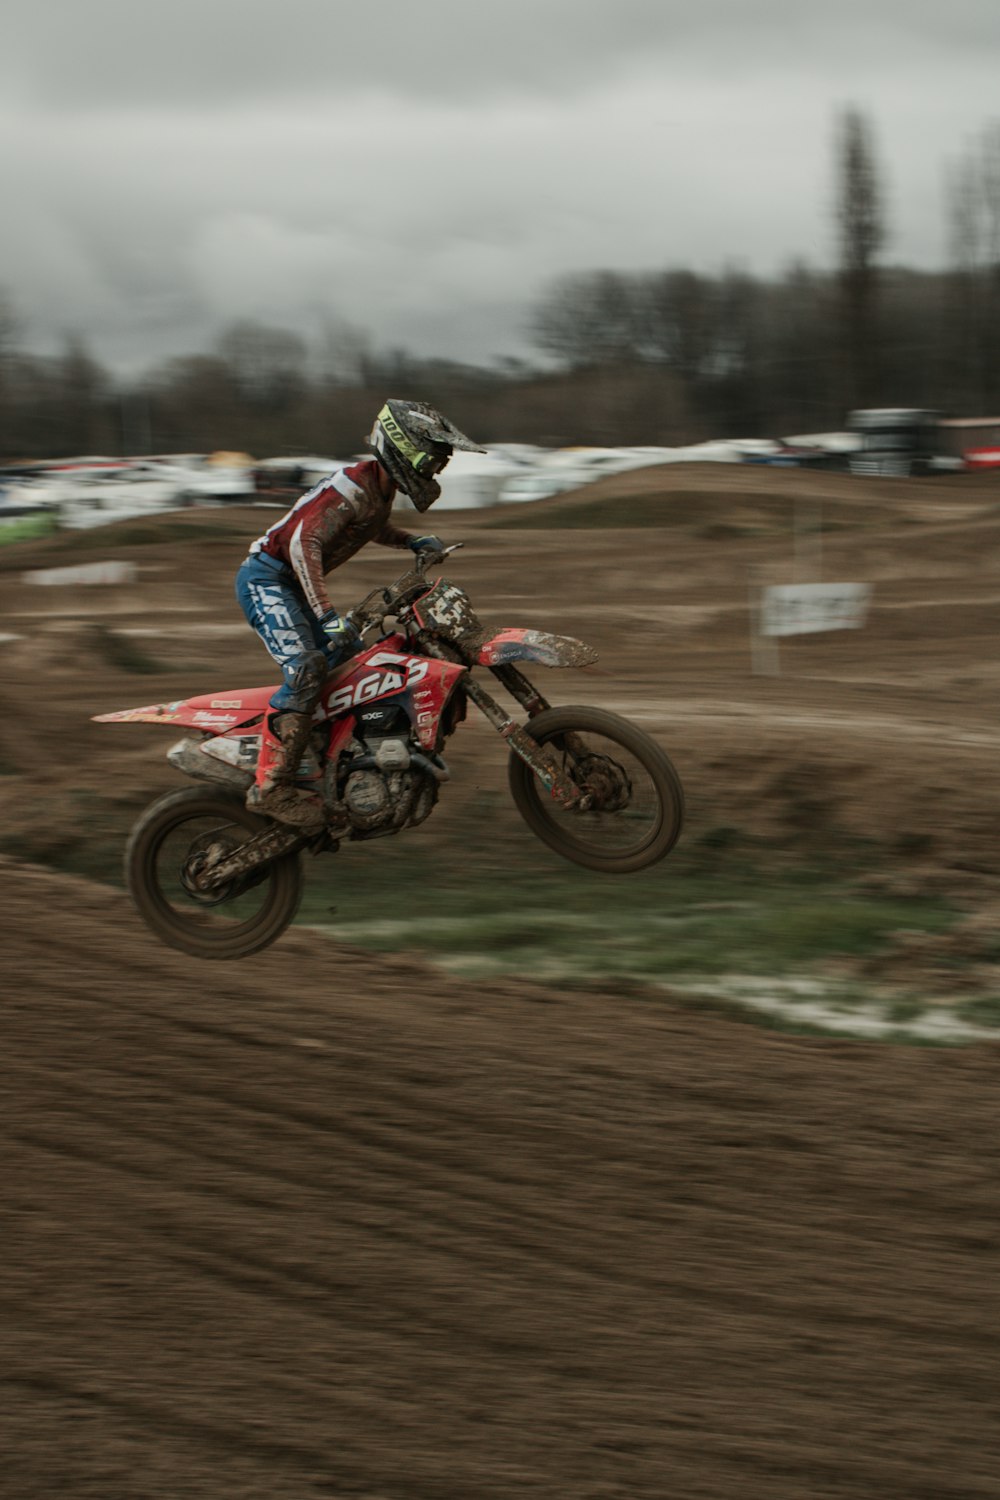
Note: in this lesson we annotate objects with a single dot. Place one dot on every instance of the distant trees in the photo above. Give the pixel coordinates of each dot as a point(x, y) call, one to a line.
point(700, 354)
point(83, 392)
point(50, 406)
point(588, 318)
point(9, 338)
point(670, 355)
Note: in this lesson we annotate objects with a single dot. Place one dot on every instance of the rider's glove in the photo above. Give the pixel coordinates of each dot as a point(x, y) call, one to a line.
point(432, 545)
point(338, 631)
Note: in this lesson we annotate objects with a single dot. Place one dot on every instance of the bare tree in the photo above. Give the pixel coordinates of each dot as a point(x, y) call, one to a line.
point(680, 327)
point(861, 235)
point(973, 196)
point(268, 365)
point(342, 352)
point(588, 318)
point(10, 336)
point(82, 391)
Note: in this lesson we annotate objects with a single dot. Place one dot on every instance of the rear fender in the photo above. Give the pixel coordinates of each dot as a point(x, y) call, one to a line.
point(219, 712)
point(513, 644)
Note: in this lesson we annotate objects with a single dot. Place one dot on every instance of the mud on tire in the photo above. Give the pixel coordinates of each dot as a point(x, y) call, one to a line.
point(252, 916)
point(615, 842)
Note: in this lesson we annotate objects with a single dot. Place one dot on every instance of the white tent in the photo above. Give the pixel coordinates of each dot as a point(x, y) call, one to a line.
point(474, 480)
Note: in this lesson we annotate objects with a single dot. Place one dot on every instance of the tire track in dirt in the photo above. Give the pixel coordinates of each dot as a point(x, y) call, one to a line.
point(382, 1150)
point(272, 1236)
point(470, 1240)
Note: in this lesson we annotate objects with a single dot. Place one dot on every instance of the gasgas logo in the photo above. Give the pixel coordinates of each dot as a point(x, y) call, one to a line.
point(409, 670)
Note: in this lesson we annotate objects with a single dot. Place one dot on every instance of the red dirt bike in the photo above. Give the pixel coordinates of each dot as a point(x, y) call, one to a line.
point(218, 881)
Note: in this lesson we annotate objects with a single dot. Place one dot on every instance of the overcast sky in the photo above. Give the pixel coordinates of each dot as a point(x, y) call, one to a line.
point(422, 170)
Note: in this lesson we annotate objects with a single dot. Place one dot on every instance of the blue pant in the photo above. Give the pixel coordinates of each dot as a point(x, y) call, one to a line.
point(270, 597)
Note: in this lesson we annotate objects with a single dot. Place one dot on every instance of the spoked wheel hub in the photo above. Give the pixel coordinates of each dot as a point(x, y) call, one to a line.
point(605, 783)
point(631, 806)
point(200, 863)
point(173, 854)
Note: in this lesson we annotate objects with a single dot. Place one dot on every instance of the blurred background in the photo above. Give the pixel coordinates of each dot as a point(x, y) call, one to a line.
point(227, 228)
point(479, 1184)
point(720, 291)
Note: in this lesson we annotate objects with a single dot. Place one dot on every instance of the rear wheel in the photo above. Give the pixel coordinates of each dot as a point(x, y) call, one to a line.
point(636, 802)
point(172, 840)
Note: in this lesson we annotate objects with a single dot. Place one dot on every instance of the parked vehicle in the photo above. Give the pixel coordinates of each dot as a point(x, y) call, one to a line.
point(218, 881)
point(563, 469)
point(96, 497)
point(893, 441)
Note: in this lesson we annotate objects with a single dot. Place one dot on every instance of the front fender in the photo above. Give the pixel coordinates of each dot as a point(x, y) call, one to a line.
point(535, 645)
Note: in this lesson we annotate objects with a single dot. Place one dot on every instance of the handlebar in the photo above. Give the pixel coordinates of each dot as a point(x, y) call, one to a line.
point(387, 601)
point(424, 558)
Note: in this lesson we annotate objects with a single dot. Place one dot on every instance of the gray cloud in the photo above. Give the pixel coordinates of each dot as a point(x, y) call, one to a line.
point(421, 171)
point(96, 53)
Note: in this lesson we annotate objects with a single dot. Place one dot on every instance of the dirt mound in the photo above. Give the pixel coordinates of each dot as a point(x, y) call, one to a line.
point(723, 501)
point(331, 1225)
point(884, 735)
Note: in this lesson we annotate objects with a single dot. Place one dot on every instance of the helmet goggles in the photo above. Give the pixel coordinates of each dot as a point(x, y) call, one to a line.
point(413, 441)
point(423, 461)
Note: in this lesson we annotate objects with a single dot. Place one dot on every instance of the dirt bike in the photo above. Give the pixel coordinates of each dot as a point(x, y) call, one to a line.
point(218, 881)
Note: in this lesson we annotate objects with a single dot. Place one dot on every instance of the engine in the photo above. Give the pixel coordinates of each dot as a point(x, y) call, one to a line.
point(384, 781)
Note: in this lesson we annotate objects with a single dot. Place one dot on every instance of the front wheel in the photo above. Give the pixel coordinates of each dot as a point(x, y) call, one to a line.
point(171, 840)
point(634, 803)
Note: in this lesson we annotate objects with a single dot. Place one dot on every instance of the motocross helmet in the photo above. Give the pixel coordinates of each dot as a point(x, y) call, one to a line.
point(413, 442)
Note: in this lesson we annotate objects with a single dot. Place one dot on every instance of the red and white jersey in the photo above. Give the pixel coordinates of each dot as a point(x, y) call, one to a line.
point(330, 523)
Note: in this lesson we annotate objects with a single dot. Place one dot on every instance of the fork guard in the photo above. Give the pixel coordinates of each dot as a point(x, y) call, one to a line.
point(514, 644)
point(560, 787)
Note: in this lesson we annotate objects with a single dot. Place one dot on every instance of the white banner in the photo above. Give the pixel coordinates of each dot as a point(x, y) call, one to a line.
point(98, 572)
point(801, 608)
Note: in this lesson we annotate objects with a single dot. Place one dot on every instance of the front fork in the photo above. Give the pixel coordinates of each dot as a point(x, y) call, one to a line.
point(533, 703)
point(520, 689)
point(558, 785)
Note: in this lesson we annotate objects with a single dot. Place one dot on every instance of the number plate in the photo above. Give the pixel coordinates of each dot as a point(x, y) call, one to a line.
point(447, 608)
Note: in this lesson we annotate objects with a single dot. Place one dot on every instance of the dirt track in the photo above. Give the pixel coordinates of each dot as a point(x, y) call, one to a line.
point(885, 734)
point(327, 1224)
point(371, 1234)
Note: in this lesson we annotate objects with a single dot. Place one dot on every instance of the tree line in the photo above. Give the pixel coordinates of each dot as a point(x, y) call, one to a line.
point(668, 356)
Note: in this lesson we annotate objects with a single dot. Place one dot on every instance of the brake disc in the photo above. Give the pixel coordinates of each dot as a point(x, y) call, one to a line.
point(607, 783)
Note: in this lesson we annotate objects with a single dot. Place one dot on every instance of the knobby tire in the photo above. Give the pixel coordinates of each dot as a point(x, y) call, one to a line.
point(283, 878)
point(577, 842)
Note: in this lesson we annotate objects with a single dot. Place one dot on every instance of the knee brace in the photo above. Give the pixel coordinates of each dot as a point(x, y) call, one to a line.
point(304, 682)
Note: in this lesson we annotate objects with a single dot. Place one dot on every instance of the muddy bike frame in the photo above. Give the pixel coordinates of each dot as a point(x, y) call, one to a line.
point(438, 620)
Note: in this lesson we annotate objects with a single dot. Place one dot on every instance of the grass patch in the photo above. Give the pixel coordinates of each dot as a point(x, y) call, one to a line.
point(91, 844)
point(146, 533)
point(534, 915)
point(722, 923)
point(43, 549)
point(122, 653)
point(983, 1011)
point(27, 529)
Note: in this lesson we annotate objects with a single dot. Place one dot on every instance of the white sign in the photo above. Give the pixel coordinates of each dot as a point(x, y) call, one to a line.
point(801, 608)
point(98, 572)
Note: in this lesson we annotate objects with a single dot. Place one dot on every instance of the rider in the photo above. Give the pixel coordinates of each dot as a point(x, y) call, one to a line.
point(281, 590)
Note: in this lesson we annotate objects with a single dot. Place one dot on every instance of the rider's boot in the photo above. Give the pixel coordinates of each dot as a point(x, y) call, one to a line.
point(274, 791)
